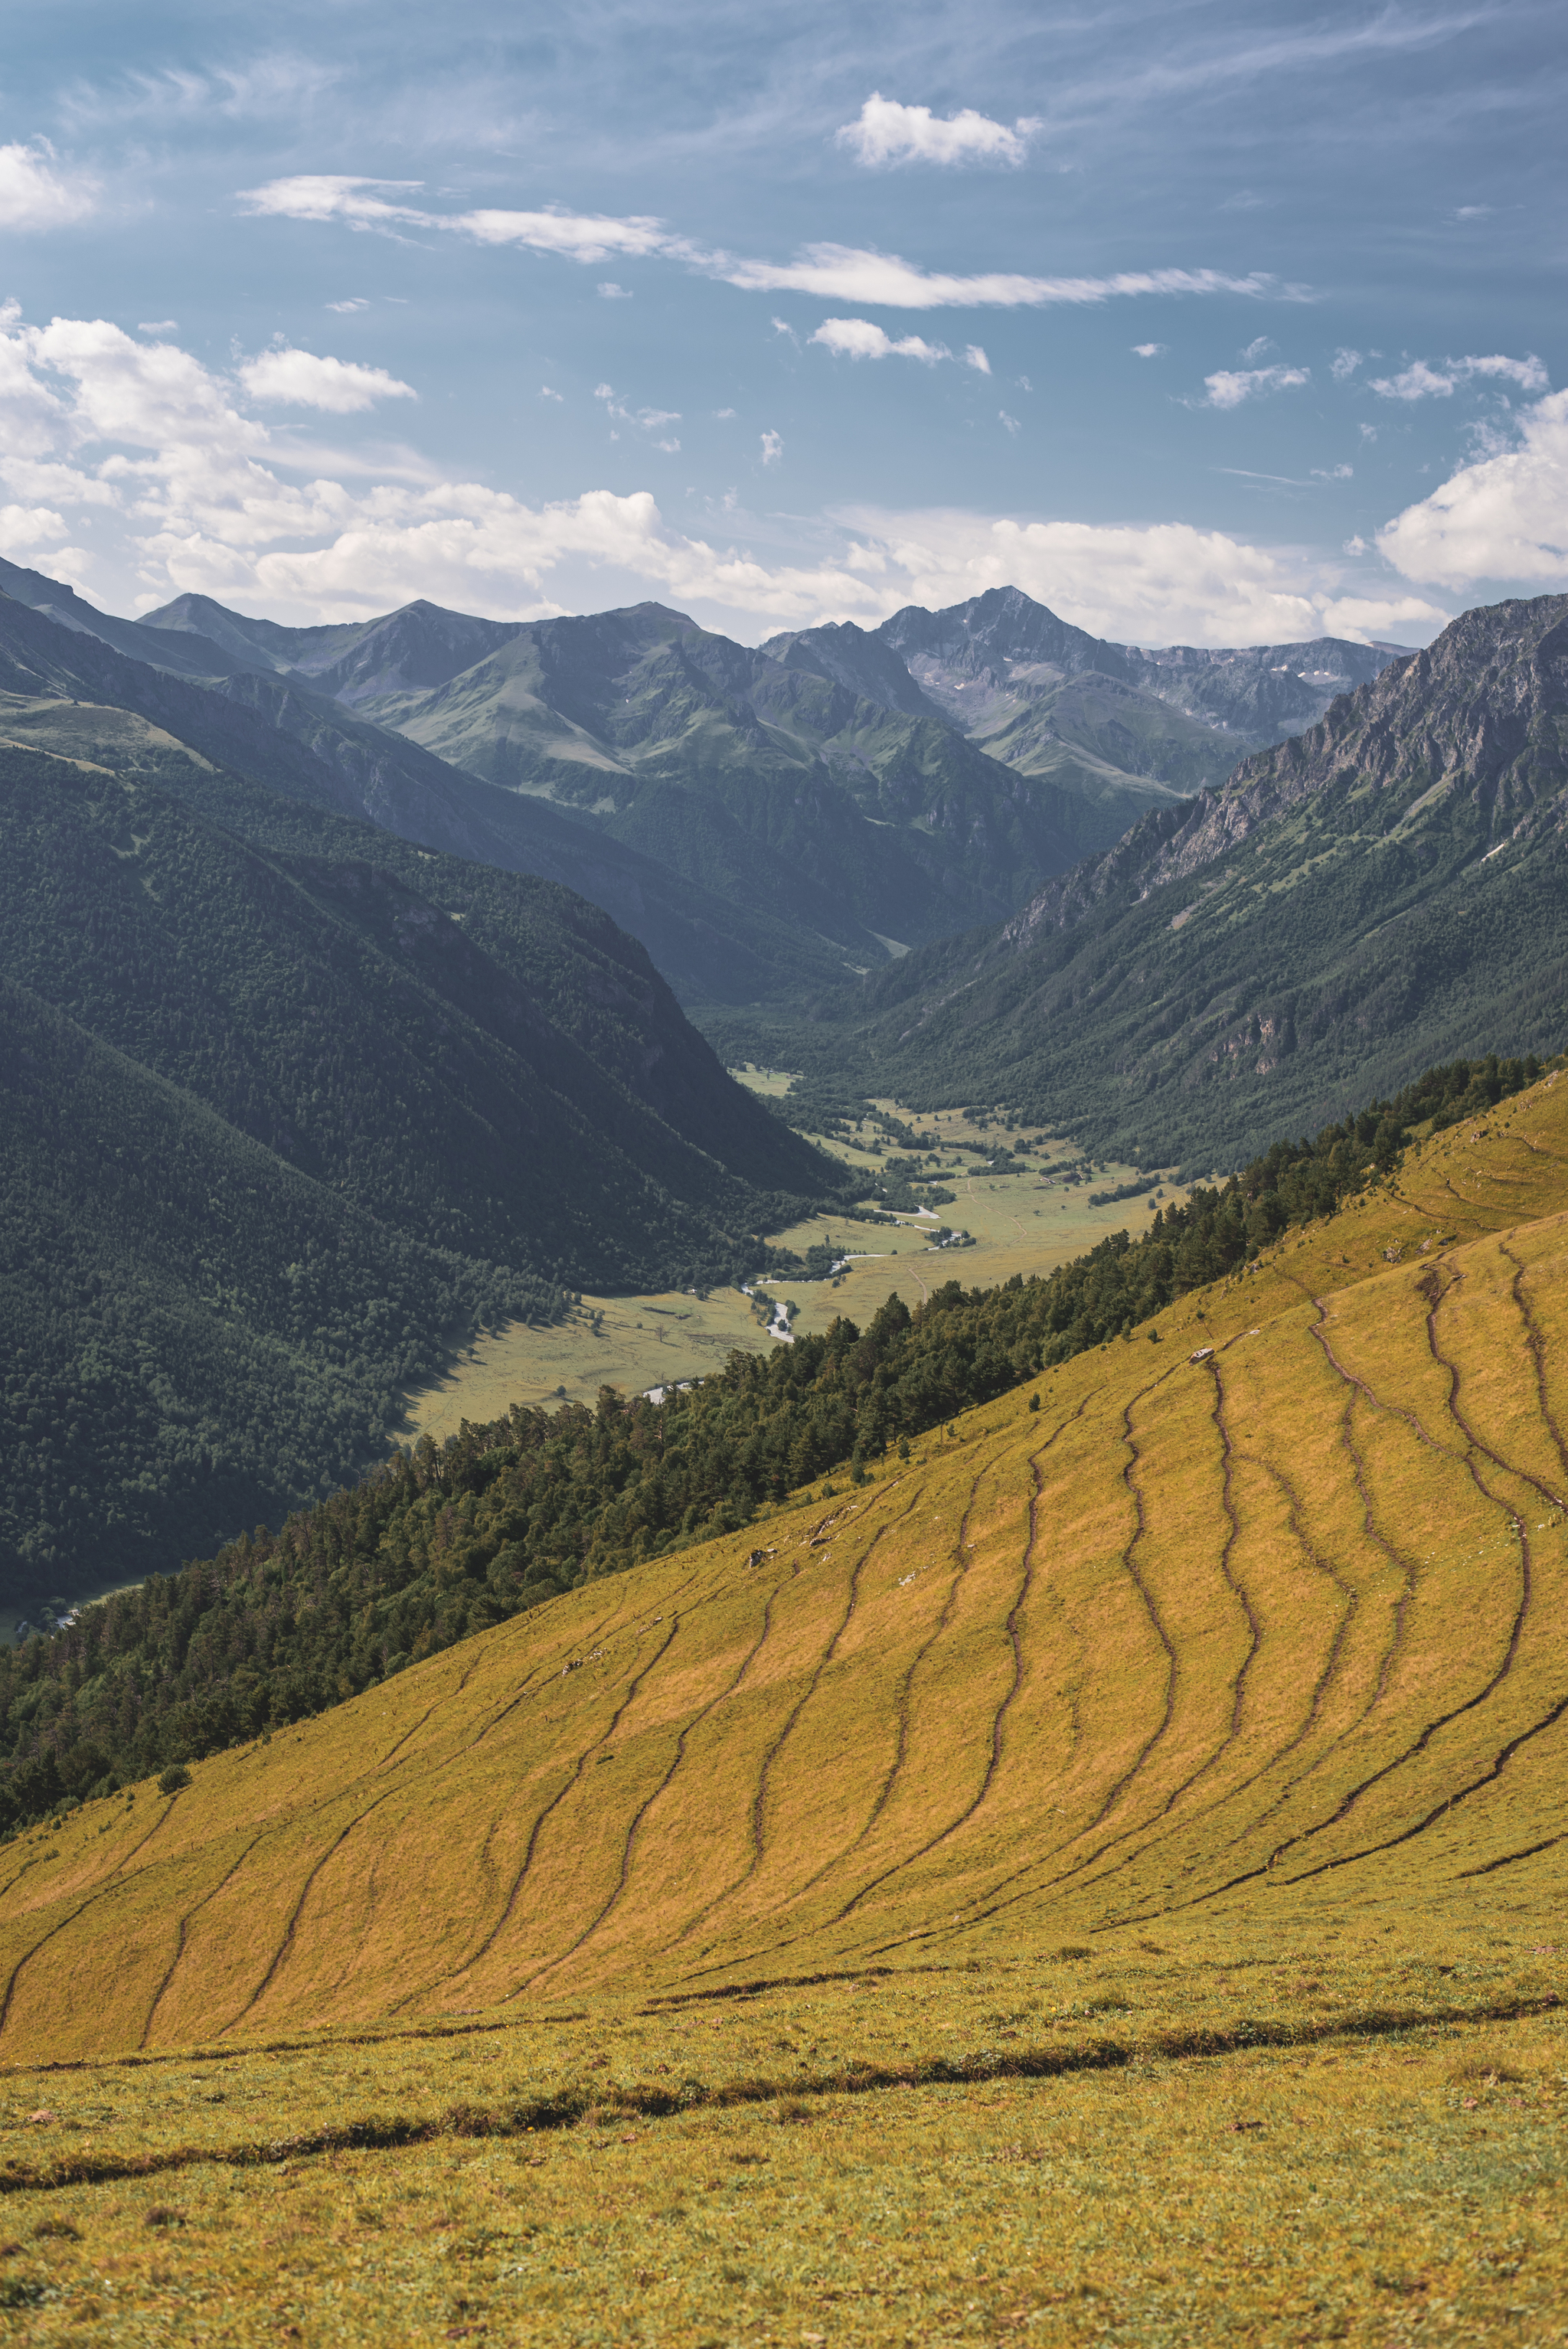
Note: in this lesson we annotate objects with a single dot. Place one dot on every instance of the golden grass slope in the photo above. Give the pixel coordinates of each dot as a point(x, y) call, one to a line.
point(1220, 1646)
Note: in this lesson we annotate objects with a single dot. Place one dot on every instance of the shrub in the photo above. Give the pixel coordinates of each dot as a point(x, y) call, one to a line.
point(173, 1778)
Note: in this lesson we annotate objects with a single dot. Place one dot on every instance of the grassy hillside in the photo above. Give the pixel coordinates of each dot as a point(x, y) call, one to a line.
point(1101, 1878)
point(1278, 1621)
point(443, 1541)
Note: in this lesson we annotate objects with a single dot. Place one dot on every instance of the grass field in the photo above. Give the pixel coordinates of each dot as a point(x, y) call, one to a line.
point(1105, 1880)
point(1019, 1223)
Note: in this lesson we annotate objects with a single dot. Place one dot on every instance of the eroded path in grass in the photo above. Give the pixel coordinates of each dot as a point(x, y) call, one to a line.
point(1268, 1597)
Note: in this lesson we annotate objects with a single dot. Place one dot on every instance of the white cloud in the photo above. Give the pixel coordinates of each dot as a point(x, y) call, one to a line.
point(888, 133)
point(1257, 348)
point(1147, 350)
point(545, 392)
point(1155, 585)
point(1343, 364)
point(22, 527)
point(195, 494)
point(336, 196)
point(158, 326)
point(33, 196)
point(843, 273)
point(358, 302)
point(1229, 388)
point(608, 291)
point(576, 236)
point(1334, 474)
point(1504, 518)
point(1012, 423)
point(857, 339)
point(300, 380)
point(834, 273)
point(723, 414)
point(1419, 381)
point(641, 419)
point(974, 356)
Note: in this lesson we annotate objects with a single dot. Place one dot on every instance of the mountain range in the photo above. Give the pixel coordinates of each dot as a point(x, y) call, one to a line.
point(759, 818)
point(1374, 894)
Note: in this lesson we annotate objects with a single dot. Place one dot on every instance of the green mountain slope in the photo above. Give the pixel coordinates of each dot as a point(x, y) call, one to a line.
point(1378, 894)
point(867, 821)
point(196, 1335)
point(469, 1081)
point(710, 948)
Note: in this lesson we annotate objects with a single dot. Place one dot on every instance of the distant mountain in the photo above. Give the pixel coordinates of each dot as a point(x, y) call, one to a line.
point(762, 819)
point(289, 1106)
point(56, 673)
point(1125, 729)
point(852, 820)
point(1386, 891)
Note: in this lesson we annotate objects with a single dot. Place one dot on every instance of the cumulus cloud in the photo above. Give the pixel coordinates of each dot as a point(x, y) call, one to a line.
point(1506, 517)
point(35, 195)
point(888, 133)
point(1343, 364)
point(608, 291)
point(26, 527)
point(1229, 386)
point(191, 494)
point(857, 339)
point(1147, 350)
point(300, 380)
point(1420, 381)
point(1159, 584)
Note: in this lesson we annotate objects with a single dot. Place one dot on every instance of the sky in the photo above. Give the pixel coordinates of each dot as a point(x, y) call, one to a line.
point(1202, 321)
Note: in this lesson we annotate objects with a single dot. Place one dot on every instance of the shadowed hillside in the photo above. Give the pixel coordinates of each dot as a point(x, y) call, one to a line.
point(1265, 1611)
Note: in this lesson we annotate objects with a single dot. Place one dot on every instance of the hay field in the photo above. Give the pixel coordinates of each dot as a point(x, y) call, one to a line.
point(1103, 1878)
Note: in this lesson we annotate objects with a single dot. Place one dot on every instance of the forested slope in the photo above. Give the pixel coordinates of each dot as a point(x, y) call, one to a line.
point(386, 1113)
point(54, 672)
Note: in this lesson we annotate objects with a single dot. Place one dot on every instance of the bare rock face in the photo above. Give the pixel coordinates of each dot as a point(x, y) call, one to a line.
point(1483, 710)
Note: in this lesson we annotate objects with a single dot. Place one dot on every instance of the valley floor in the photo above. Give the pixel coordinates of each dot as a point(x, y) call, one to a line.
point(1019, 1224)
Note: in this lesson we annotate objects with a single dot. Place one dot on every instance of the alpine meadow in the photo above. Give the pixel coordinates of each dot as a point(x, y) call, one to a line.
point(783, 1177)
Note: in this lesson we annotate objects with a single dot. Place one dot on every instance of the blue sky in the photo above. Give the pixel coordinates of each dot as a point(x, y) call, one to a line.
point(1211, 323)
